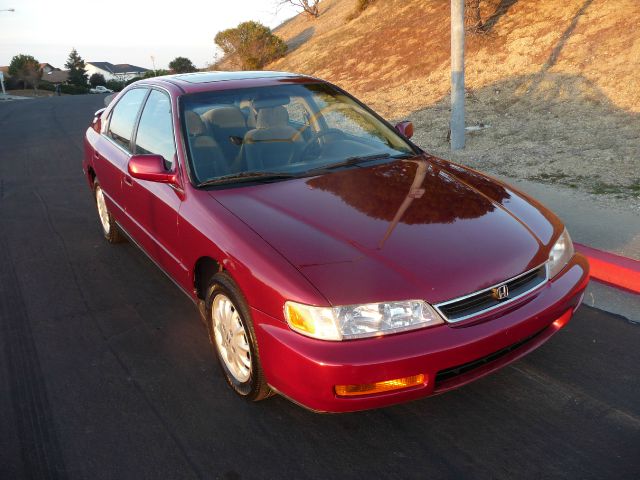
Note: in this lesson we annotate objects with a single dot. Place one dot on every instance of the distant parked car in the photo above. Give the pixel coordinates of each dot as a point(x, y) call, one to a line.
point(100, 89)
point(333, 261)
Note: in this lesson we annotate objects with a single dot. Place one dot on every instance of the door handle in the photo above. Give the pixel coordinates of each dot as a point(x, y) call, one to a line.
point(128, 180)
point(96, 155)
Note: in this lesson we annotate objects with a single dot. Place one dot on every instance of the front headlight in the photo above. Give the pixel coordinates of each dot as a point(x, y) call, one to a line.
point(359, 321)
point(560, 254)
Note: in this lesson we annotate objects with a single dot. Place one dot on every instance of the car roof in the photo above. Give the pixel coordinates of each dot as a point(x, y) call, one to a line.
point(218, 80)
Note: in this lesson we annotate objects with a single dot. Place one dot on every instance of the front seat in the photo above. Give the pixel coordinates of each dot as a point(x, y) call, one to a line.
point(228, 126)
point(273, 143)
point(206, 157)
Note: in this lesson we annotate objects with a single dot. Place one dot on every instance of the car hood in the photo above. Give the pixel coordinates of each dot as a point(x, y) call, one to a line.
point(420, 228)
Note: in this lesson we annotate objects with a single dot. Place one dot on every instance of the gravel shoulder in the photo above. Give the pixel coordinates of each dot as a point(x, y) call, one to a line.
point(556, 129)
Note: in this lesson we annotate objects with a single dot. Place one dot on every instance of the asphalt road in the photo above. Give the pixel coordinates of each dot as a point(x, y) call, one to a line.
point(106, 370)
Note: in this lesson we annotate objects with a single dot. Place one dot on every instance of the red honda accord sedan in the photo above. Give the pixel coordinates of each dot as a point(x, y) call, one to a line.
point(333, 261)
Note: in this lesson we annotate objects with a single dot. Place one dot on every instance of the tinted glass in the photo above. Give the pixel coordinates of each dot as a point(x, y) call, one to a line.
point(155, 131)
point(124, 116)
point(292, 129)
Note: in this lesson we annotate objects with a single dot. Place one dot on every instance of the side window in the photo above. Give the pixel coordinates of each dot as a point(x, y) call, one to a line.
point(349, 120)
point(155, 130)
point(124, 116)
point(297, 112)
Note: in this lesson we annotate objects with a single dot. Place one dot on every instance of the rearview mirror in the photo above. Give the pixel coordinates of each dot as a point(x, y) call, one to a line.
point(151, 168)
point(405, 129)
point(108, 99)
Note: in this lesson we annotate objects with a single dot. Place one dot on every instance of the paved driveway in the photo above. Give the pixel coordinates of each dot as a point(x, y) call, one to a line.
point(106, 370)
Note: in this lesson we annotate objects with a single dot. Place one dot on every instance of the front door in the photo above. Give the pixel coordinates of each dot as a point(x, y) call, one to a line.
point(154, 206)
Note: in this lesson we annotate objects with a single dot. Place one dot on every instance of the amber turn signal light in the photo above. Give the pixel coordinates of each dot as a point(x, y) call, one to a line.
point(379, 387)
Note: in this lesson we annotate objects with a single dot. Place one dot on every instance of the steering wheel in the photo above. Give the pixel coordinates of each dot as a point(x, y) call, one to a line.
point(313, 119)
point(314, 141)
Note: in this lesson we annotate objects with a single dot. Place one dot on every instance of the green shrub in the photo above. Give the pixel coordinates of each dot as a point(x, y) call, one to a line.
point(115, 85)
point(132, 80)
point(97, 79)
point(73, 89)
point(182, 65)
point(12, 83)
point(251, 44)
point(155, 73)
point(47, 86)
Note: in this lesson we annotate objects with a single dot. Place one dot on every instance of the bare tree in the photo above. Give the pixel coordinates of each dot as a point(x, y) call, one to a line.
point(310, 7)
point(33, 76)
point(472, 18)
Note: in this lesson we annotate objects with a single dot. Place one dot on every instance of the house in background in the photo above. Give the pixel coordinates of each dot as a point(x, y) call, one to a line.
point(47, 68)
point(121, 72)
point(50, 74)
point(56, 77)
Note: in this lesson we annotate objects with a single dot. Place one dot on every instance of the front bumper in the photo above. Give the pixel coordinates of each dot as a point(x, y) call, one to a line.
point(306, 370)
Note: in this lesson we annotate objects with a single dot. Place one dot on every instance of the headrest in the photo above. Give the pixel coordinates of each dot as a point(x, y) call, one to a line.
point(225, 117)
point(195, 125)
point(246, 107)
point(272, 117)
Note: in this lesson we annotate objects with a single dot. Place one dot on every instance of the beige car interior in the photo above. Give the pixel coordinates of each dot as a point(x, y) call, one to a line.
point(256, 135)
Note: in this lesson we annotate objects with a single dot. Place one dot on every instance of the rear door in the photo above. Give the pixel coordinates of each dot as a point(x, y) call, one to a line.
point(152, 206)
point(113, 149)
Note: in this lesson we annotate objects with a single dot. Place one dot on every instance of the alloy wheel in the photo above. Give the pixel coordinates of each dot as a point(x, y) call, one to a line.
point(231, 338)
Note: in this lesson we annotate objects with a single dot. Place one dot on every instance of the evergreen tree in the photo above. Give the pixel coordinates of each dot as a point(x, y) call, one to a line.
point(77, 72)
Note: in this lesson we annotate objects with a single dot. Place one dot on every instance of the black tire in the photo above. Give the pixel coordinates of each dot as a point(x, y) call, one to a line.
point(111, 231)
point(255, 388)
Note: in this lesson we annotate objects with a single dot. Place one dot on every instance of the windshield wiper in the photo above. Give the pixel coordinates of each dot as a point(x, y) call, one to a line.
point(351, 161)
point(247, 177)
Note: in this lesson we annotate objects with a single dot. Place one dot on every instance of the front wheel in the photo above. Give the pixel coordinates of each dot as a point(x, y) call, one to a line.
point(233, 338)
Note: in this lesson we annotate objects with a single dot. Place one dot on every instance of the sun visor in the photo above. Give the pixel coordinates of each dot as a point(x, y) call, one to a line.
point(270, 102)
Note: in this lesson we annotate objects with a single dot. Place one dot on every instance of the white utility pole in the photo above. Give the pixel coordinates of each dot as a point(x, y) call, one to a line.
point(457, 74)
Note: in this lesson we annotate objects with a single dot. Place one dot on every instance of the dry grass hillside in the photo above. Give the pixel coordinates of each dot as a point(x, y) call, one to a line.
point(402, 46)
point(556, 82)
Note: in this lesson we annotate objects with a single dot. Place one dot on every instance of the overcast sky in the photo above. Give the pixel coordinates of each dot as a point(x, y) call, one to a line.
point(125, 31)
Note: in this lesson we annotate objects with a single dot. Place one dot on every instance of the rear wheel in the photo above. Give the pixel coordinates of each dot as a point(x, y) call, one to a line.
point(233, 338)
point(109, 227)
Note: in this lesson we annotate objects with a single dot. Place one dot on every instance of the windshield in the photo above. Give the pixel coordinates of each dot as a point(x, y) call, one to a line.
point(281, 131)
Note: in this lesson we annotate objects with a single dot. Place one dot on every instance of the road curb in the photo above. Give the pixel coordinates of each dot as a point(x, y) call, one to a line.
point(611, 269)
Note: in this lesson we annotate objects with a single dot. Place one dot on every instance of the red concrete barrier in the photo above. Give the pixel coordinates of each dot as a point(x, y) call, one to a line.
point(615, 270)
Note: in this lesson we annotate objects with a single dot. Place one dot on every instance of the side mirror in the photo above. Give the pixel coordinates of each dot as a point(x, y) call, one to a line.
point(405, 129)
point(151, 168)
point(108, 99)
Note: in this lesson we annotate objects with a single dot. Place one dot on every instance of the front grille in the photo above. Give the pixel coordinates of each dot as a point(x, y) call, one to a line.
point(449, 373)
point(479, 302)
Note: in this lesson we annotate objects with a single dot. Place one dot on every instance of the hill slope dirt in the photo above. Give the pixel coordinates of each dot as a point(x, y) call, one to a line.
point(554, 83)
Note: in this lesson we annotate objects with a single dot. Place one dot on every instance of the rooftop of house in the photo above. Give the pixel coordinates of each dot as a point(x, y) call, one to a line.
point(117, 68)
point(57, 76)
